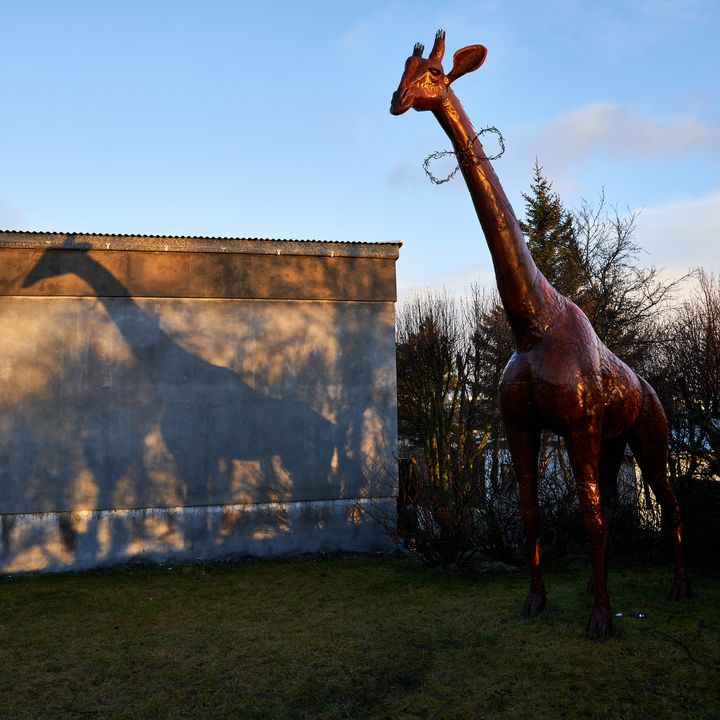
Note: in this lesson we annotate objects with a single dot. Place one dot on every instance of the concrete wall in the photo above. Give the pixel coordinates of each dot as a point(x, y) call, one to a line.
point(192, 397)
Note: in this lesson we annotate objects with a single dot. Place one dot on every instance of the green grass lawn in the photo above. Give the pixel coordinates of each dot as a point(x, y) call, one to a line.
point(350, 637)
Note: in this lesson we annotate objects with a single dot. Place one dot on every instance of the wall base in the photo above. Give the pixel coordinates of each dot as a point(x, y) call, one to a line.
point(48, 542)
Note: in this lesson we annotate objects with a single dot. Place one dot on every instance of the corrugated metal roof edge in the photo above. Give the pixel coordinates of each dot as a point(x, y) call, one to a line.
point(195, 243)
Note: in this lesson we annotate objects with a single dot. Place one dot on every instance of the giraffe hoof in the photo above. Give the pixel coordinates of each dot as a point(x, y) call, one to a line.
point(534, 603)
point(680, 589)
point(600, 624)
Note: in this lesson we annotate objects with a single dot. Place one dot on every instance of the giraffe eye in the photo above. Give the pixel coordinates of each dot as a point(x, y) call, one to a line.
point(434, 71)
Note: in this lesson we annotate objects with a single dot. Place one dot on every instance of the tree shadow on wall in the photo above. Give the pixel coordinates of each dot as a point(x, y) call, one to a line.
point(148, 424)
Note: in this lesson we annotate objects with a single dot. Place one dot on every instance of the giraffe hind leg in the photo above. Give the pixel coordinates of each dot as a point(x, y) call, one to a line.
point(649, 443)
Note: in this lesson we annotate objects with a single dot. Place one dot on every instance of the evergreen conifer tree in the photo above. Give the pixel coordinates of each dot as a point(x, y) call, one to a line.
point(551, 237)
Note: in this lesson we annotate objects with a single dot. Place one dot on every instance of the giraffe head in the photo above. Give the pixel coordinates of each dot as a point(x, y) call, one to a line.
point(424, 84)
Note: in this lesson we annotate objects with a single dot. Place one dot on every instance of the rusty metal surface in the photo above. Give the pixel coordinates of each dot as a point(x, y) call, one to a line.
point(561, 377)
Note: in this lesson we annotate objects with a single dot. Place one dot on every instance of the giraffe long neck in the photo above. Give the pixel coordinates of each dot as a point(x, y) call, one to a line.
point(529, 300)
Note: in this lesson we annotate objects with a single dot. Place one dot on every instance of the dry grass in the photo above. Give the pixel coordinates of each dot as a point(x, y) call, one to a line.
point(350, 637)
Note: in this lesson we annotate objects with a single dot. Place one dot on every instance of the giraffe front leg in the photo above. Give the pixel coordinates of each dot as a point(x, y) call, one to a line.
point(611, 456)
point(584, 452)
point(524, 448)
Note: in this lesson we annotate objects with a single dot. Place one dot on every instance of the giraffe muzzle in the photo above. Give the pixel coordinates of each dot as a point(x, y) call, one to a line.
point(400, 102)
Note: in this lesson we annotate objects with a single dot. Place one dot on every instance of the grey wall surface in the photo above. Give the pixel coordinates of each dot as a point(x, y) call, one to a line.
point(136, 424)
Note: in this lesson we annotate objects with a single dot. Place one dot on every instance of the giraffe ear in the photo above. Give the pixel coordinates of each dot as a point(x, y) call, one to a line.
point(466, 60)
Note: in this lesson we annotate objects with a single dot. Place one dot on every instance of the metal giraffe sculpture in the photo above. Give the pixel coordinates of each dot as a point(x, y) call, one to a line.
point(561, 377)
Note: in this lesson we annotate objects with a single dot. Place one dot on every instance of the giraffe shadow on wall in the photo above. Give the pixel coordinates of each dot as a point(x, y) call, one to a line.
point(165, 427)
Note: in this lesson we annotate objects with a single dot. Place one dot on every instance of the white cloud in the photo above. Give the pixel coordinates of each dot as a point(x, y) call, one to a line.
point(573, 145)
point(605, 127)
point(682, 234)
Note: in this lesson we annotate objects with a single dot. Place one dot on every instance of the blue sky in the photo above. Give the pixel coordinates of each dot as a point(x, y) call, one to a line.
point(270, 119)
